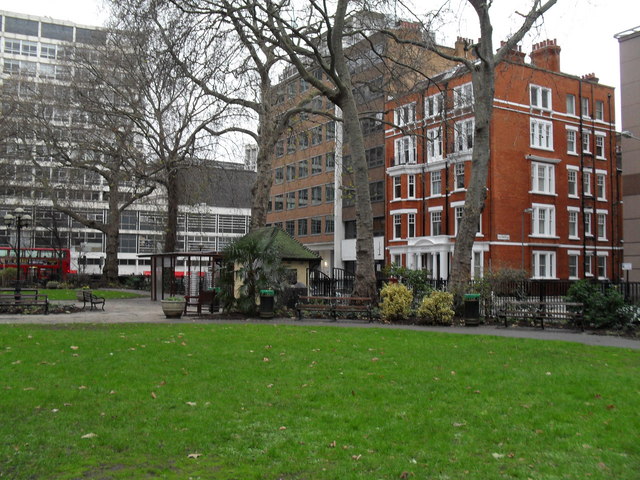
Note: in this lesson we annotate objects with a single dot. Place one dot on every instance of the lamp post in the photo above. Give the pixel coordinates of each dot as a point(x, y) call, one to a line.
point(526, 210)
point(18, 220)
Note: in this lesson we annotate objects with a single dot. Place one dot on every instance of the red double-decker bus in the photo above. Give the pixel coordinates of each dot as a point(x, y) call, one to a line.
point(38, 263)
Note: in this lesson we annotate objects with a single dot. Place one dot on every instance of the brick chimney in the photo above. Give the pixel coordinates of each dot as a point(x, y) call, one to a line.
point(590, 77)
point(546, 55)
point(515, 55)
point(463, 47)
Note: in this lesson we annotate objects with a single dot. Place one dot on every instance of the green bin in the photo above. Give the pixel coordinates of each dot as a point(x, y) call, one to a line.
point(266, 303)
point(472, 309)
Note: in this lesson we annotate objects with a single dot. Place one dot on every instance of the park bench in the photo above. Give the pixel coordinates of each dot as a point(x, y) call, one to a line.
point(542, 311)
point(335, 305)
point(205, 298)
point(92, 300)
point(23, 299)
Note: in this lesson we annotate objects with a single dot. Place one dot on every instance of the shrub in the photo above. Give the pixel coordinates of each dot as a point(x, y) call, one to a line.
point(630, 315)
point(396, 302)
point(416, 280)
point(601, 305)
point(52, 285)
point(436, 308)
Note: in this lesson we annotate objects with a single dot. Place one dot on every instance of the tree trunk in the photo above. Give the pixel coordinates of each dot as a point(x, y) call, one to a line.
point(112, 236)
point(171, 232)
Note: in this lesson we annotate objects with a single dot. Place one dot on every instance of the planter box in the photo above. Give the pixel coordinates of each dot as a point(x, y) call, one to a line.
point(172, 309)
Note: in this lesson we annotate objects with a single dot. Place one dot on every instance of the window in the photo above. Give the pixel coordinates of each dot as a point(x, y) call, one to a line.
point(316, 226)
point(376, 191)
point(588, 264)
point(600, 146)
point(433, 105)
point(329, 224)
point(316, 135)
point(459, 212)
point(459, 176)
point(572, 145)
point(586, 142)
point(330, 130)
point(464, 135)
point(573, 264)
point(316, 103)
point(316, 195)
point(304, 85)
point(290, 227)
point(372, 125)
point(278, 203)
point(602, 226)
point(397, 188)
point(291, 173)
point(463, 96)
point(279, 175)
point(405, 114)
point(303, 169)
point(572, 178)
point(586, 182)
point(411, 186)
point(329, 192)
point(436, 222)
point(303, 197)
point(602, 266)
point(571, 104)
point(316, 165)
point(544, 265)
point(584, 104)
point(434, 145)
point(436, 183)
point(280, 148)
point(542, 178)
point(303, 141)
point(397, 226)
point(601, 186)
point(302, 226)
point(599, 113)
point(411, 225)
point(129, 220)
point(12, 46)
point(543, 220)
point(541, 134)
point(47, 50)
point(29, 49)
point(405, 150)
point(540, 97)
point(375, 157)
point(330, 162)
point(573, 223)
point(291, 200)
point(292, 144)
point(587, 224)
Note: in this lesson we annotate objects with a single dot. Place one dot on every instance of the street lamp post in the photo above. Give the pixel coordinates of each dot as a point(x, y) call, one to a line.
point(526, 210)
point(18, 220)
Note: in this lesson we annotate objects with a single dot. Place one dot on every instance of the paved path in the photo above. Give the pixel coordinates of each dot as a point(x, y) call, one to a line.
point(143, 310)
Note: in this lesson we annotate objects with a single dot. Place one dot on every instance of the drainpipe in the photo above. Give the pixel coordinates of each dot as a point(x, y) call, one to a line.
point(614, 270)
point(582, 199)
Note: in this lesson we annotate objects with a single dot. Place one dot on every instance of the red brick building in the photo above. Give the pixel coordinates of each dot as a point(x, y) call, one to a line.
point(553, 196)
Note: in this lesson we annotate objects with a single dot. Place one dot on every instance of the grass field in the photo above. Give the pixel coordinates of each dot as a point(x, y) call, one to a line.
point(291, 402)
point(66, 294)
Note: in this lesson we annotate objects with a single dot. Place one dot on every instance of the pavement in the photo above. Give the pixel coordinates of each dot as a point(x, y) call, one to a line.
point(143, 310)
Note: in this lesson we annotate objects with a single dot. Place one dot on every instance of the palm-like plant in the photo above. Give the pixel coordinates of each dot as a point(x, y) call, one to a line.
point(256, 262)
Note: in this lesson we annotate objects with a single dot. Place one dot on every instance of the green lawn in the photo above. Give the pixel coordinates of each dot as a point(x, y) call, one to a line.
point(292, 402)
point(65, 294)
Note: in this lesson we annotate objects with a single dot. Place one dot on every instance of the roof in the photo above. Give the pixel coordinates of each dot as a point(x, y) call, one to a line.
point(290, 248)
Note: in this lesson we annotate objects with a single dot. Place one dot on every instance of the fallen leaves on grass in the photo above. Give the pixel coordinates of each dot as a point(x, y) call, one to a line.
point(191, 404)
point(153, 395)
point(194, 455)
point(89, 435)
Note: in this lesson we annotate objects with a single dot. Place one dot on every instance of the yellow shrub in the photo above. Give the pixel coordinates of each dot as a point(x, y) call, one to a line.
point(396, 302)
point(437, 308)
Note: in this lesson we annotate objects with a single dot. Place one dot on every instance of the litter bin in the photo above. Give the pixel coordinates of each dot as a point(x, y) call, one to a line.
point(472, 309)
point(266, 303)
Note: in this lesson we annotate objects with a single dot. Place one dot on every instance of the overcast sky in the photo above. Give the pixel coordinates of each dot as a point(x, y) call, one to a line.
point(584, 28)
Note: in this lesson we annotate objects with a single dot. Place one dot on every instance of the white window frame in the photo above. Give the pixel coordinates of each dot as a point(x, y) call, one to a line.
point(458, 212)
point(586, 182)
point(543, 178)
point(588, 223)
point(405, 150)
point(573, 254)
point(540, 97)
point(463, 95)
point(405, 114)
point(599, 110)
point(543, 220)
point(397, 188)
point(434, 144)
point(436, 180)
point(573, 223)
point(586, 141)
point(572, 141)
point(433, 105)
point(600, 146)
point(458, 176)
point(541, 134)
point(601, 224)
point(572, 182)
point(601, 265)
point(411, 225)
point(464, 135)
point(584, 107)
point(435, 217)
point(546, 268)
point(601, 185)
point(588, 267)
point(571, 104)
point(397, 227)
point(411, 186)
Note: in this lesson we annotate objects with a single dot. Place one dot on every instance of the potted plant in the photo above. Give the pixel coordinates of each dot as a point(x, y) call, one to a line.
point(172, 307)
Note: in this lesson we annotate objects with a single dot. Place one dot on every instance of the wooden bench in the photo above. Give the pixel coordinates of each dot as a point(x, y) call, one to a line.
point(335, 305)
point(541, 311)
point(24, 300)
point(206, 298)
point(91, 299)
